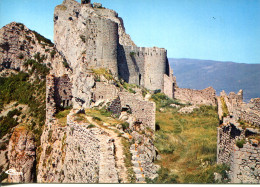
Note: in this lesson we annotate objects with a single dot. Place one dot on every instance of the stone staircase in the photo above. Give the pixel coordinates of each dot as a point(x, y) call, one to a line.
point(137, 164)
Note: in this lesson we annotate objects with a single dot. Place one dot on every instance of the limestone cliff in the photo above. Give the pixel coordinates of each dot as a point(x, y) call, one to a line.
point(22, 156)
point(18, 44)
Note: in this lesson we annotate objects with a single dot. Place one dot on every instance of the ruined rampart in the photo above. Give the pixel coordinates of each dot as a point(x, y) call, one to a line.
point(244, 161)
point(58, 94)
point(238, 137)
point(206, 96)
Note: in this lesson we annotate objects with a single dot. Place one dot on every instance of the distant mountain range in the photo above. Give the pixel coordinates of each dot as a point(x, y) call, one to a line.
point(228, 76)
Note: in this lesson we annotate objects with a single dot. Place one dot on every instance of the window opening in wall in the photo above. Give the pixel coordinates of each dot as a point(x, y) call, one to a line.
point(63, 103)
point(140, 77)
point(68, 102)
point(64, 91)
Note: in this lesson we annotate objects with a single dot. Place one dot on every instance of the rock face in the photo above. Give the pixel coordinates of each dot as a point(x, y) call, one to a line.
point(18, 44)
point(22, 156)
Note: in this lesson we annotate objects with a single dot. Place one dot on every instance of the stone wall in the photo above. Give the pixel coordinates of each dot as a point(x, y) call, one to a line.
point(143, 111)
point(85, 37)
point(168, 86)
point(244, 162)
point(76, 153)
point(248, 112)
point(104, 91)
point(63, 92)
point(58, 94)
point(206, 96)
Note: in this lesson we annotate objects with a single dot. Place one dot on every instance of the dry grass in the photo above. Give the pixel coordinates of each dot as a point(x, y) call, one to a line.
point(224, 107)
point(103, 116)
point(188, 142)
point(62, 117)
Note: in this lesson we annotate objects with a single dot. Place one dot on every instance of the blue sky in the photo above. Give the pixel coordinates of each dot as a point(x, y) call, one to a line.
point(225, 30)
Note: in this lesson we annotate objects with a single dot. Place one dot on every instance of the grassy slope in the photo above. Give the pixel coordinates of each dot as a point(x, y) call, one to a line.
point(188, 143)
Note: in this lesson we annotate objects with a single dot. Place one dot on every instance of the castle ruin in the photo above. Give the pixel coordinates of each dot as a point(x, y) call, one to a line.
point(92, 38)
point(238, 137)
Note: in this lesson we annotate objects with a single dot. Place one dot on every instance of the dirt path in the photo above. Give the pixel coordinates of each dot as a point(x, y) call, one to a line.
point(119, 153)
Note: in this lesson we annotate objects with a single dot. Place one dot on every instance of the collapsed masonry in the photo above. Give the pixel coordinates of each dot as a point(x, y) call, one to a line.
point(238, 137)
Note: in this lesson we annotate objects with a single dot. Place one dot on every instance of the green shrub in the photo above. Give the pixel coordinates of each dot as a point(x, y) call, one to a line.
point(3, 176)
point(96, 118)
point(157, 91)
point(62, 114)
point(163, 100)
point(37, 67)
point(18, 88)
point(50, 135)
point(42, 39)
point(105, 112)
point(53, 53)
point(21, 56)
point(20, 25)
point(49, 150)
point(91, 126)
point(125, 126)
point(3, 146)
point(224, 107)
point(240, 143)
point(65, 63)
point(128, 160)
point(132, 54)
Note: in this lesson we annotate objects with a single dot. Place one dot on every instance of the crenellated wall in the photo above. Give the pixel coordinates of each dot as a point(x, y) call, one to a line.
point(143, 66)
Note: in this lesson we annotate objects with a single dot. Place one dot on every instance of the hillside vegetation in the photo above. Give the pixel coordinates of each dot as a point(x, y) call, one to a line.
point(22, 97)
point(187, 143)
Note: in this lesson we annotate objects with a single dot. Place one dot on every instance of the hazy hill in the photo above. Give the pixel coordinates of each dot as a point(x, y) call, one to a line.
point(228, 76)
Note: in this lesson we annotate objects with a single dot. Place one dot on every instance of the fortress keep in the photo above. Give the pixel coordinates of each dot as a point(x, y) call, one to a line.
point(92, 37)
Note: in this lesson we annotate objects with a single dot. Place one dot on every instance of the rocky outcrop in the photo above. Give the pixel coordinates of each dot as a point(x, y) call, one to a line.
point(18, 44)
point(22, 156)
